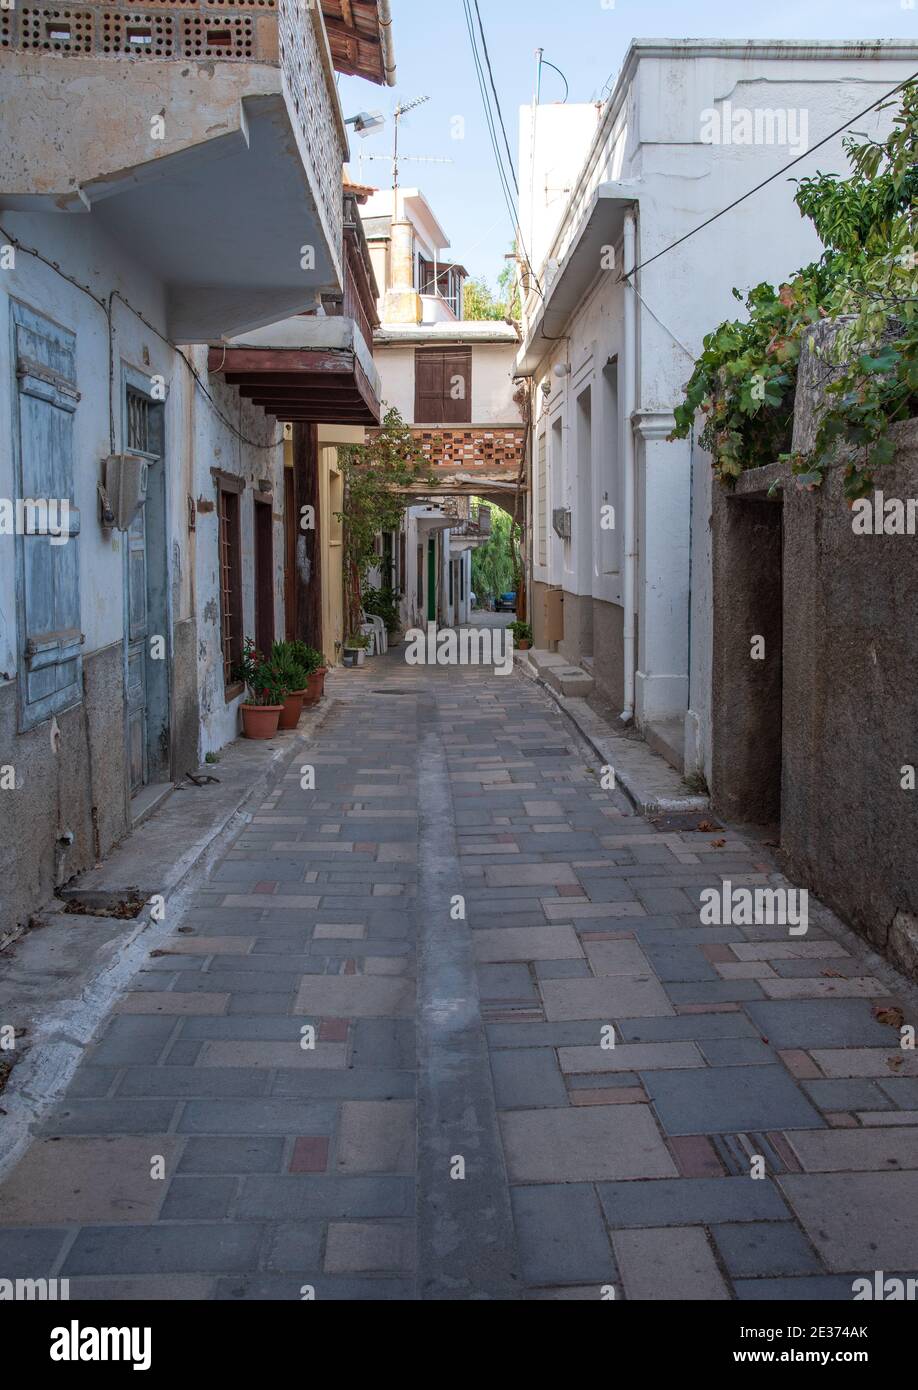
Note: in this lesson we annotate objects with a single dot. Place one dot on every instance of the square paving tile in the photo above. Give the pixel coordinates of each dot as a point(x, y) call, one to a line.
point(849, 1150)
point(818, 1023)
point(857, 1220)
point(674, 1263)
point(605, 999)
point(724, 1100)
point(87, 1181)
point(527, 1077)
point(765, 1248)
point(362, 1247)
point(376, 1136)
point(355, 996)
point(561, 1235)
point(526, 943)
point(617, 958)
point(584, 1144)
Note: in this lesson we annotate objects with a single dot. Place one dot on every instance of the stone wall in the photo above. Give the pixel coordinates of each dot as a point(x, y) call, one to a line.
point(824, 729)
point(73, 783)
point(848, 826)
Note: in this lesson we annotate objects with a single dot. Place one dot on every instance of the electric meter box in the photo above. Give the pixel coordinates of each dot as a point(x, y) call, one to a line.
point(125, 488)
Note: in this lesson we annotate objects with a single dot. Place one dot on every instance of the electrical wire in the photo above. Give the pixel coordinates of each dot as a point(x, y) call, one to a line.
point(771, 178)
point(567, 90)
point(500, 115)
point(492, 132)
point(489, 117)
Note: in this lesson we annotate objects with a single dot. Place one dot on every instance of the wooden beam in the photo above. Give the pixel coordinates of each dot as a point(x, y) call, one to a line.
point(249, 361)
point(306, 394)
point(302, 381)
point(308, 548)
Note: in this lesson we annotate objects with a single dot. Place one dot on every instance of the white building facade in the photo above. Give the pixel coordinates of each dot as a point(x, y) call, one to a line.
point(193, 203)
point(620, 515)
point(452, 382)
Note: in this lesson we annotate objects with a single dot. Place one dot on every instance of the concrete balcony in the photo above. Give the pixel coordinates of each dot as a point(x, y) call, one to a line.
point(206, 138)
point(471, 531)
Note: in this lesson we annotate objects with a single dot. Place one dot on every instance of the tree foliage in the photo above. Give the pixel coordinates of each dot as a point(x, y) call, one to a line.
point(372, 474)
point(479, 301)
point(493, 570)
point(866, 284)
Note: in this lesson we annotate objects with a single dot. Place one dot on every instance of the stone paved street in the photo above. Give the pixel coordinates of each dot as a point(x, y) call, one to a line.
point(463, 915)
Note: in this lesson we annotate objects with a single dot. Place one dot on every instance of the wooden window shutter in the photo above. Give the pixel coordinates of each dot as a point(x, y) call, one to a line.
point(50, 639)
point(457, 387)
point(428, 388)
point(443, 386)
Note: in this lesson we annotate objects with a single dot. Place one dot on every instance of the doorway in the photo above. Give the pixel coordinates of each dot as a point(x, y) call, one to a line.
point(432, 580)
point(147, 633)
point(264, 573)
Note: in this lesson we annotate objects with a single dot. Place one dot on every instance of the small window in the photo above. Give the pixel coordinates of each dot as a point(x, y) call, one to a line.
point(230, 586)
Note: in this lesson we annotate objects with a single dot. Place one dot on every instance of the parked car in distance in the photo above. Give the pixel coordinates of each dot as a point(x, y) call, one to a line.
point(506, 603)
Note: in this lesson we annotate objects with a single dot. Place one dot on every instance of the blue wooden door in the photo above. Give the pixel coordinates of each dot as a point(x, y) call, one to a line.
point(139, 438)
point(48, 597)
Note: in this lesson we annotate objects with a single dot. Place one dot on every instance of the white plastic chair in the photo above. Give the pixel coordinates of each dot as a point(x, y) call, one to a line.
point(379, 629)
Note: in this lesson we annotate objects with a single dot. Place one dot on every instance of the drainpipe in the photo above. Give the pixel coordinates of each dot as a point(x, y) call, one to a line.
point(628, 525)
point(385, 34)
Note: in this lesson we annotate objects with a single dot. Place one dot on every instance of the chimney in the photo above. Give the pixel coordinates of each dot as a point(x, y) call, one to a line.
point(402, 302)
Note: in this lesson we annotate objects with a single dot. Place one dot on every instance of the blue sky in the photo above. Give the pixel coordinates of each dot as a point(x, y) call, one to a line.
point(587, 40)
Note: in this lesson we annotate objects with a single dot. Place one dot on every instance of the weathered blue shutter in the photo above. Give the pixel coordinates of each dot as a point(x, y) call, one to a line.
point(50, 640)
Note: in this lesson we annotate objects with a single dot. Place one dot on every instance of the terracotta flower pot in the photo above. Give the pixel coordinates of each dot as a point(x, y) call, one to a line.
point(260, 721)
point(292, 709)
point(313, 692)
point(322, 673)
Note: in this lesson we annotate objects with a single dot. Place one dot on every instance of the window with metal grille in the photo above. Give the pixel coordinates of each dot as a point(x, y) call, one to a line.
point(230, 587)
point(138, 421)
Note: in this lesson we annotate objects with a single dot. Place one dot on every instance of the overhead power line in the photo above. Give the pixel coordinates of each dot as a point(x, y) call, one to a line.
point(500, 116)
point(492, 132)
point(765, 182)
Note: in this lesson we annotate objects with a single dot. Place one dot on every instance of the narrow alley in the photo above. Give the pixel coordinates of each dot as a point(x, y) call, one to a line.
point(445, 1025)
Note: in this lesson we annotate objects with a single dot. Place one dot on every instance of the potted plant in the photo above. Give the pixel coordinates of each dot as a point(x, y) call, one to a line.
point(356, 648)
point(266, 692)
point(285, 661)
point(315, 668)
point(522, 635)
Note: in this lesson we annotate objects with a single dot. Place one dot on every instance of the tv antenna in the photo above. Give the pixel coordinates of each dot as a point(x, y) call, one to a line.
point(397, 114)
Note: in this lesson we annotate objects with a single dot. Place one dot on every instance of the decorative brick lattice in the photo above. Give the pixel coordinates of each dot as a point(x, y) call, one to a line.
point(228, 29)
point(217, 35)
point(141, 33)
point(56, 30)
point(471, 448)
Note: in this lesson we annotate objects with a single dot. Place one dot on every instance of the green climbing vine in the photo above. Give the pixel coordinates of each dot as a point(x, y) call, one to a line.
point(866, 285)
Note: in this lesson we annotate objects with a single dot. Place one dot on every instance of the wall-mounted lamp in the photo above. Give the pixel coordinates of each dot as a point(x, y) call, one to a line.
point(366, 122)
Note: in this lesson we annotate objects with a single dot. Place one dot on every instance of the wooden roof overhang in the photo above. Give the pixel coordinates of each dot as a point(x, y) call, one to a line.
point(300, 384)
point(359, 35)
